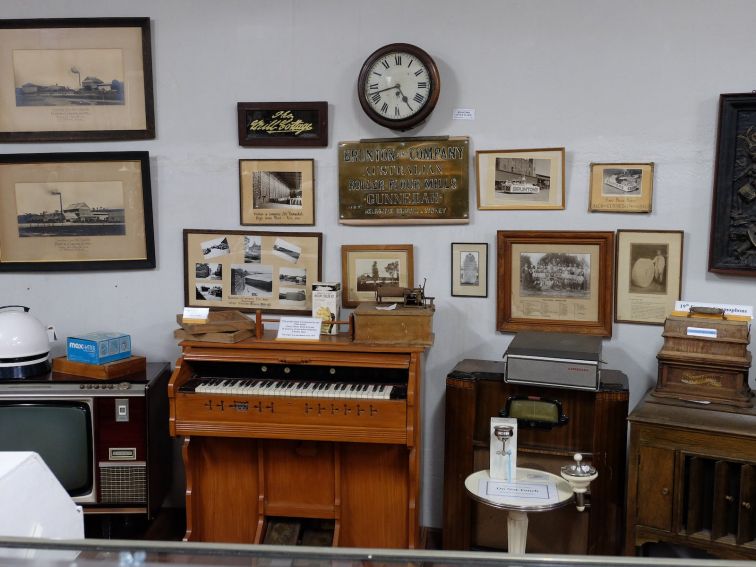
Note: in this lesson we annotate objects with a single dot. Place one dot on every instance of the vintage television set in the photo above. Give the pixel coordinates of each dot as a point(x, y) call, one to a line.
point(107, 442)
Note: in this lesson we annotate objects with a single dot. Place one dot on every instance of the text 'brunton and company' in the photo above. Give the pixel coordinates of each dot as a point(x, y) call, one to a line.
point(404, 181)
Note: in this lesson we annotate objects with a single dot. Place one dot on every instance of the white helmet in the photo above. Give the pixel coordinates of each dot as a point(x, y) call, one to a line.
point(24, 344)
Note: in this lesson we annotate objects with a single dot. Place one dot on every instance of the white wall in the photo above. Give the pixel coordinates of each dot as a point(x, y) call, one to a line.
point(608, 80)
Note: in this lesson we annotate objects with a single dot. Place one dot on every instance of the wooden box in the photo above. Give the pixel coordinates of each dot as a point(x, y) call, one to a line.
point(107, 371)
point(705, 359)
point(401, 325)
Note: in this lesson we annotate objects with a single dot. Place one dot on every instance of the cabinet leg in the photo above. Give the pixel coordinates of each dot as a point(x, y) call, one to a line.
point(517, 531)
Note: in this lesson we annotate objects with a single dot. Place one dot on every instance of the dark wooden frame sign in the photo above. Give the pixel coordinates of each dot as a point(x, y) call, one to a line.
point(249, 270)
point(76, 211)
point(76, 79)
point(280, 124)
point(556, 280)
point(732, 246)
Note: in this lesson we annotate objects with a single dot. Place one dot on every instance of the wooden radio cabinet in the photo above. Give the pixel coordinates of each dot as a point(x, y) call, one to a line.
point(692, 477)
point(596, 426)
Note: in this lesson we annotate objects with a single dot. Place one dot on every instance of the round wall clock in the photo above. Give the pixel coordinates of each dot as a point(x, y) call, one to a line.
point(398, 86)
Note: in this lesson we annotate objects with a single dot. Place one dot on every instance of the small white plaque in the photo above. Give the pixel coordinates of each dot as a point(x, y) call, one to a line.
point(463, 114)
point(701, 332)
point(195, 314)
point(544, 492)
point(299, 328)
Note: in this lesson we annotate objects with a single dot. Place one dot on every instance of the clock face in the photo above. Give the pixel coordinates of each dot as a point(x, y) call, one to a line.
point(398, 86)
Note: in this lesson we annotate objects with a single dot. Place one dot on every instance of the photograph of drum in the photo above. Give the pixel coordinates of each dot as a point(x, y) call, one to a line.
point(649, 268)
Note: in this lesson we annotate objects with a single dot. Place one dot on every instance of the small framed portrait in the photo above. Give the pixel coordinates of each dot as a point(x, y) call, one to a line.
point(469, 269)
point(277, 192)
point(648, 276)
point(621, 187)
point(520, 179)
point(366, 266)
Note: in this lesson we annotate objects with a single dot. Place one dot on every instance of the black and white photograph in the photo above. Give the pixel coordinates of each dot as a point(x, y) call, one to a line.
point(251, 280)
point(206, 271)
point(371, 273)
point(286, 250)
point(209, 292)
point(469, 268)
point(292, 276)
point(648, 272)
point(522, 176)
point(87, 208)
point(68, 77)
point(252, 249)
point(622, 182)
point(277, 189)
point(215, 247)
point(555, 274)
point(292, 296)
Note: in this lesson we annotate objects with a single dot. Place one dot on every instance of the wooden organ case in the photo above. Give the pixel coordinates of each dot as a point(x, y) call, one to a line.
point(326, 431)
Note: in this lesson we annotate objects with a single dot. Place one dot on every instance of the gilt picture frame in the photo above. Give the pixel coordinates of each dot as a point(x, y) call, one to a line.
point(277, 191)
point(469, 269)
point(76, 211)
point(531, 179)
point(621, 187)
point(364, 266)
point(732, 240)
point(557, 281)
point(648, 278)
point(76, 79)
point(249, 270)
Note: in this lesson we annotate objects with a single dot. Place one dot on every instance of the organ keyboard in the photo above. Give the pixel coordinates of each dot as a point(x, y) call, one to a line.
point(275, 429)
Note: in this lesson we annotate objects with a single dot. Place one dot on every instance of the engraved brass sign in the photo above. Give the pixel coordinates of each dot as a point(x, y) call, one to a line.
point(404, 181)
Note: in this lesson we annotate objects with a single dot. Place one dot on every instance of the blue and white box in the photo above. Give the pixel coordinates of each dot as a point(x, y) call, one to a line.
point(99, 348)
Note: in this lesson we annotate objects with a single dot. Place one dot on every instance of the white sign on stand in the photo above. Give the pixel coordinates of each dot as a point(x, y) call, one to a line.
point(299, 328)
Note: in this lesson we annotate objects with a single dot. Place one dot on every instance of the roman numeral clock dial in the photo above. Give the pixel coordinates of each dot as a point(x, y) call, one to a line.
point(398, 86)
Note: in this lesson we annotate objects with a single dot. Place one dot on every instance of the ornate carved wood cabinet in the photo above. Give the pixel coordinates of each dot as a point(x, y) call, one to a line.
point(253, 458)
point(692, 477)
point(596, 426)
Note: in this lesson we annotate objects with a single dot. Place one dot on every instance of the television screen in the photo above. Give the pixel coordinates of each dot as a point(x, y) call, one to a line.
point(60, 432)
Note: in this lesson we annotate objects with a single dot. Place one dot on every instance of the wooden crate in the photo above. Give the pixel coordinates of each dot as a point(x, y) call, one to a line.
point(107, 371)
point(402, 325)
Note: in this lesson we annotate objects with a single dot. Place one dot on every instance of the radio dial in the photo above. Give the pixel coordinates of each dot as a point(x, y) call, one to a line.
point(124, 386)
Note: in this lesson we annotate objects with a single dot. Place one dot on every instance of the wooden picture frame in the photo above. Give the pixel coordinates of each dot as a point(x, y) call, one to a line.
point(76, 79)
point(520, 179)
point(732, 242)
point(648, 278)
point(364, 265)
point(469, 269)
point(76, 211)
point(277, 191)
point(621, 187)
point(555, 280)
point(280, 124)
point(249, 270)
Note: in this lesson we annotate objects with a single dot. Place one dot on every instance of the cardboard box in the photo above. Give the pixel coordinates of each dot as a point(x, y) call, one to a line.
point(326, 304)
point(400, 325)
point(99, 347)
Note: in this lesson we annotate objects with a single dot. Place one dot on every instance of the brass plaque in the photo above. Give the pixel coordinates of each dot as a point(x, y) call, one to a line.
point(404, 181)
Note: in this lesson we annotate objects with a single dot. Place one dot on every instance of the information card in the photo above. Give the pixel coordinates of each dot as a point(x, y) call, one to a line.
point(299, 328)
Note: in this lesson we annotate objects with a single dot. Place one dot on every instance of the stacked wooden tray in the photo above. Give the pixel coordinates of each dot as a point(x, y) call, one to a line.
point(220, 327)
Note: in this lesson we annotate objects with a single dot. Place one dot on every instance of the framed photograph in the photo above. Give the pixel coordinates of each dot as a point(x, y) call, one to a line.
point(469, 269)
point(249, 270)
point(555, 280)
point(75, 211)
point(278, 124)
point(732, 245)
point(520, 179)
point(76, 79)
point(365, 266)
point(648, 276)
point(277, 191)
point(621, 187)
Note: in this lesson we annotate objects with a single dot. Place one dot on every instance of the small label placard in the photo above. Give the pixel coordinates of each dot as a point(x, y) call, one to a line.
point(518, 490)
point(463, 114)
point(737, 310)
point(701, 332)
point(299, 328)
point(195, 314)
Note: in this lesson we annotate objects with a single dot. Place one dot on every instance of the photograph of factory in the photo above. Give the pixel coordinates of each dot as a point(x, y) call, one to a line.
point(277, 189)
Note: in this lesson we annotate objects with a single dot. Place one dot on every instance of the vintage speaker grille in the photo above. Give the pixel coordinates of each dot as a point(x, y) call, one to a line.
point(122, 483)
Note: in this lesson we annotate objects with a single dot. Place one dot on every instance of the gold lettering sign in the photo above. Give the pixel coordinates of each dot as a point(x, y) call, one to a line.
point(404, 181)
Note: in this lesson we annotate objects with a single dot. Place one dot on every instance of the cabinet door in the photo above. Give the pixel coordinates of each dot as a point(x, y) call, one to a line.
point(656, 469)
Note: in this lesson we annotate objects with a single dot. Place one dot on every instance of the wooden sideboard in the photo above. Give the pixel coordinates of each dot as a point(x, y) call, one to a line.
point(596, 427)
point(256, 461)
point(692, 477)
